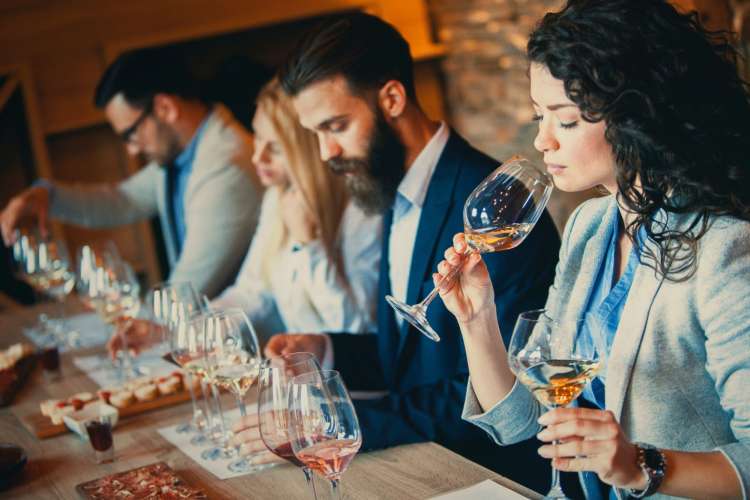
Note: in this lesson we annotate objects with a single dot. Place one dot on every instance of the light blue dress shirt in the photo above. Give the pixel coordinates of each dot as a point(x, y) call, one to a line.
point(605, 304)
point(181, 169)
point(407, 210)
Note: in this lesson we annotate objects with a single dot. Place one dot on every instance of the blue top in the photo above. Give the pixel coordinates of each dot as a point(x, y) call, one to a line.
point(606, 302)
point(181, 168)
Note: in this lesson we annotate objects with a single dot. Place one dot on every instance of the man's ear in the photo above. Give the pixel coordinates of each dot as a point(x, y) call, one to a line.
point(166, 108)
point(392, 99)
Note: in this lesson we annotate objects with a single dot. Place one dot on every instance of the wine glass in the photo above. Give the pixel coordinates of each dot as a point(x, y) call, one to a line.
point(172, 305)
point(323, 425)
point(232, 357)
point(498, 215)
point(554, 359)
point(273, 404)
point(25, 267)
point(54, 275)
point(90, 272)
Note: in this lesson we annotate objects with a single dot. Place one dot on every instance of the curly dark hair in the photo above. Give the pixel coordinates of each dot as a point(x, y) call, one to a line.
point(676, 111)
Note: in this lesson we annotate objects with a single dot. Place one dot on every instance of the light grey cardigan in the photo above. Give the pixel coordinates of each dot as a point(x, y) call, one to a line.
point(221, 205)
point(679, 368)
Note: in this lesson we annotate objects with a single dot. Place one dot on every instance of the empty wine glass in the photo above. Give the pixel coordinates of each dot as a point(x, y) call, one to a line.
point(92, 258)
point(232, 356)
point(498, 215)
point(171, 305)
point(55, 277)
point(554, 359)
point(323, 425)
point(273, 404)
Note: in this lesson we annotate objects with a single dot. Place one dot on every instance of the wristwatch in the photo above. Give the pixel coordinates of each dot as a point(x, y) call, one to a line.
point(653, 463)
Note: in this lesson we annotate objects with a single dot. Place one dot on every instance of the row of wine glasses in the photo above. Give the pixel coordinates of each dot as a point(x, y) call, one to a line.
point(305, 414)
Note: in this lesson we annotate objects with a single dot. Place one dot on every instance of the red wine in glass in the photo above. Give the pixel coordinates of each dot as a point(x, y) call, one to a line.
point(100, 436)
point(285, 451)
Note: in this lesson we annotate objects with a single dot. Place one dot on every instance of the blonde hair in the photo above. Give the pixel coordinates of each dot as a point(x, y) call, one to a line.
point(323, 192)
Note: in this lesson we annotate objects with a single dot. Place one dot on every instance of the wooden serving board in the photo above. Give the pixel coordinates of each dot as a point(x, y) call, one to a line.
point(140, 483)
point(13, 379)
point(43, 428)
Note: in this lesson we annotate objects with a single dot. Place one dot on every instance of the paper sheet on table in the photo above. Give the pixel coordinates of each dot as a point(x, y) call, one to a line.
point(486, 490)
point(90, 330)
point(220, 467)
point(100, 369)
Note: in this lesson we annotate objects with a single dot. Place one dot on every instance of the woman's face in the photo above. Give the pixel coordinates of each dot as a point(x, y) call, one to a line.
point(269, 157)
point(575, 151)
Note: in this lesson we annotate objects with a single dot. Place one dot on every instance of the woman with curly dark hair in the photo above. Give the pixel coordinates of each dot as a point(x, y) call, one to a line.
point(637, 98)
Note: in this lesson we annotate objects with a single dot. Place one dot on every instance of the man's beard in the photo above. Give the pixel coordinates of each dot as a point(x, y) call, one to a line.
point(373, 181)
point(168, 144)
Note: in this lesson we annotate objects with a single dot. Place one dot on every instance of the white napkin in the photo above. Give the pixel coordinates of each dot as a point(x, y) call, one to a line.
point(486, 490)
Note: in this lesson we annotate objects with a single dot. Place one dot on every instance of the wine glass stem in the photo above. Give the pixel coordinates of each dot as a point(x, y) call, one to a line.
point(192, 394)
point(335, 491)
point(447, 278)
point(243, 413)
point(555, 490)
point(310, 481)
point(220, 412)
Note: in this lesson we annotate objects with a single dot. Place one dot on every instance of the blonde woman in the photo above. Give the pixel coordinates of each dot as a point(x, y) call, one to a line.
point(313, 263)
point(314, 260)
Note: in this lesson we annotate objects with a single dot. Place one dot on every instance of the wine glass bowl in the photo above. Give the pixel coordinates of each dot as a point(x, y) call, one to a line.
point(323, 425)
point(555, 359)
point(498, 215)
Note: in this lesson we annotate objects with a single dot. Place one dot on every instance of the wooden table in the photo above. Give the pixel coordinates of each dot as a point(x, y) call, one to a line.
point(58, 464)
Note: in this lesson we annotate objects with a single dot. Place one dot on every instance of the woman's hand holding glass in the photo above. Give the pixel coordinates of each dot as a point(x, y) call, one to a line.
point(471, 293)
point(590, 440)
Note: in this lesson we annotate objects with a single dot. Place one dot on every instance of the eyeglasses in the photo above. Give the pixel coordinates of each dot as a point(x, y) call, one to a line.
point(127, 134)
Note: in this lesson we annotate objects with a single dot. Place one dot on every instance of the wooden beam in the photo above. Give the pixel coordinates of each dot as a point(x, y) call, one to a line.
point(10, 86)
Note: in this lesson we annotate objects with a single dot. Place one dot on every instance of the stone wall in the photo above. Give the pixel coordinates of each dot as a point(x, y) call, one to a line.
point(487, 87)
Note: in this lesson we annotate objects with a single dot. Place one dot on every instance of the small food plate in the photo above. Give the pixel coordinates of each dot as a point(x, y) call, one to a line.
point(76, 421)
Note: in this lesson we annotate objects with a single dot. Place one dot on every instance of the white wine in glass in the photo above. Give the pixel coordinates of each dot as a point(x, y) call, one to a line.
point(554, 359)
point(498, 215)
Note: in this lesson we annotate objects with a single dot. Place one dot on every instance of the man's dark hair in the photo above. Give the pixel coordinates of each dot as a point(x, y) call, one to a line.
point(143, 73)
point(364, 49)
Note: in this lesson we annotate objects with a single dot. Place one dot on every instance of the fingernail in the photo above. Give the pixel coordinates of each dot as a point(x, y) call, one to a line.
point(543, 451)
point(544, 435)
point(544, 419)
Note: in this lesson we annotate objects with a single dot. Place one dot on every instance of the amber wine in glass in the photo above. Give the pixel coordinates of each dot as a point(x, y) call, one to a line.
point(554, 359)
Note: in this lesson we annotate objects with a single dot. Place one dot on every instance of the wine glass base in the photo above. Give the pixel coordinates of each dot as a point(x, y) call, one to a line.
point(244, 466)
point(217, 453)
point(414, 315)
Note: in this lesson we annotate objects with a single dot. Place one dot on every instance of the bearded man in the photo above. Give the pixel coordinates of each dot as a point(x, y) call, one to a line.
point(198, 178)
point(352, 83)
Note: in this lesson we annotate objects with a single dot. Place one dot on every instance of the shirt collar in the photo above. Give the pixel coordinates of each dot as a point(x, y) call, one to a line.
point(185, 159)
point(414, 185)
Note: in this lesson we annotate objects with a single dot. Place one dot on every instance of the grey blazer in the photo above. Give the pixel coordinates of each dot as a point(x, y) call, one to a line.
point(679, 368)
point(222, 202)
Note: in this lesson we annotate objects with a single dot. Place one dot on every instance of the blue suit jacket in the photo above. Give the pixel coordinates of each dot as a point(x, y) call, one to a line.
point(426, 380)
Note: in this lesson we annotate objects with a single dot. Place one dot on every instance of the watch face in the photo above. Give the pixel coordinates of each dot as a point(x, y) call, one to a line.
point(654, 461)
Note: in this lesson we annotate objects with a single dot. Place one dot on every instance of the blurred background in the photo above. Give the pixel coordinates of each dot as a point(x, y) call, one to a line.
point(470, 71)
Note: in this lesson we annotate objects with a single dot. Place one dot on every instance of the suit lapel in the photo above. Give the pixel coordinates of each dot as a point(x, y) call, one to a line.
point(632, 327)
point(435, 209)
point(627, 342)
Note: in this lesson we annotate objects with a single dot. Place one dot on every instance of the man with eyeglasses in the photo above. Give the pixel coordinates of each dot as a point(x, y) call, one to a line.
point(198, 179)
